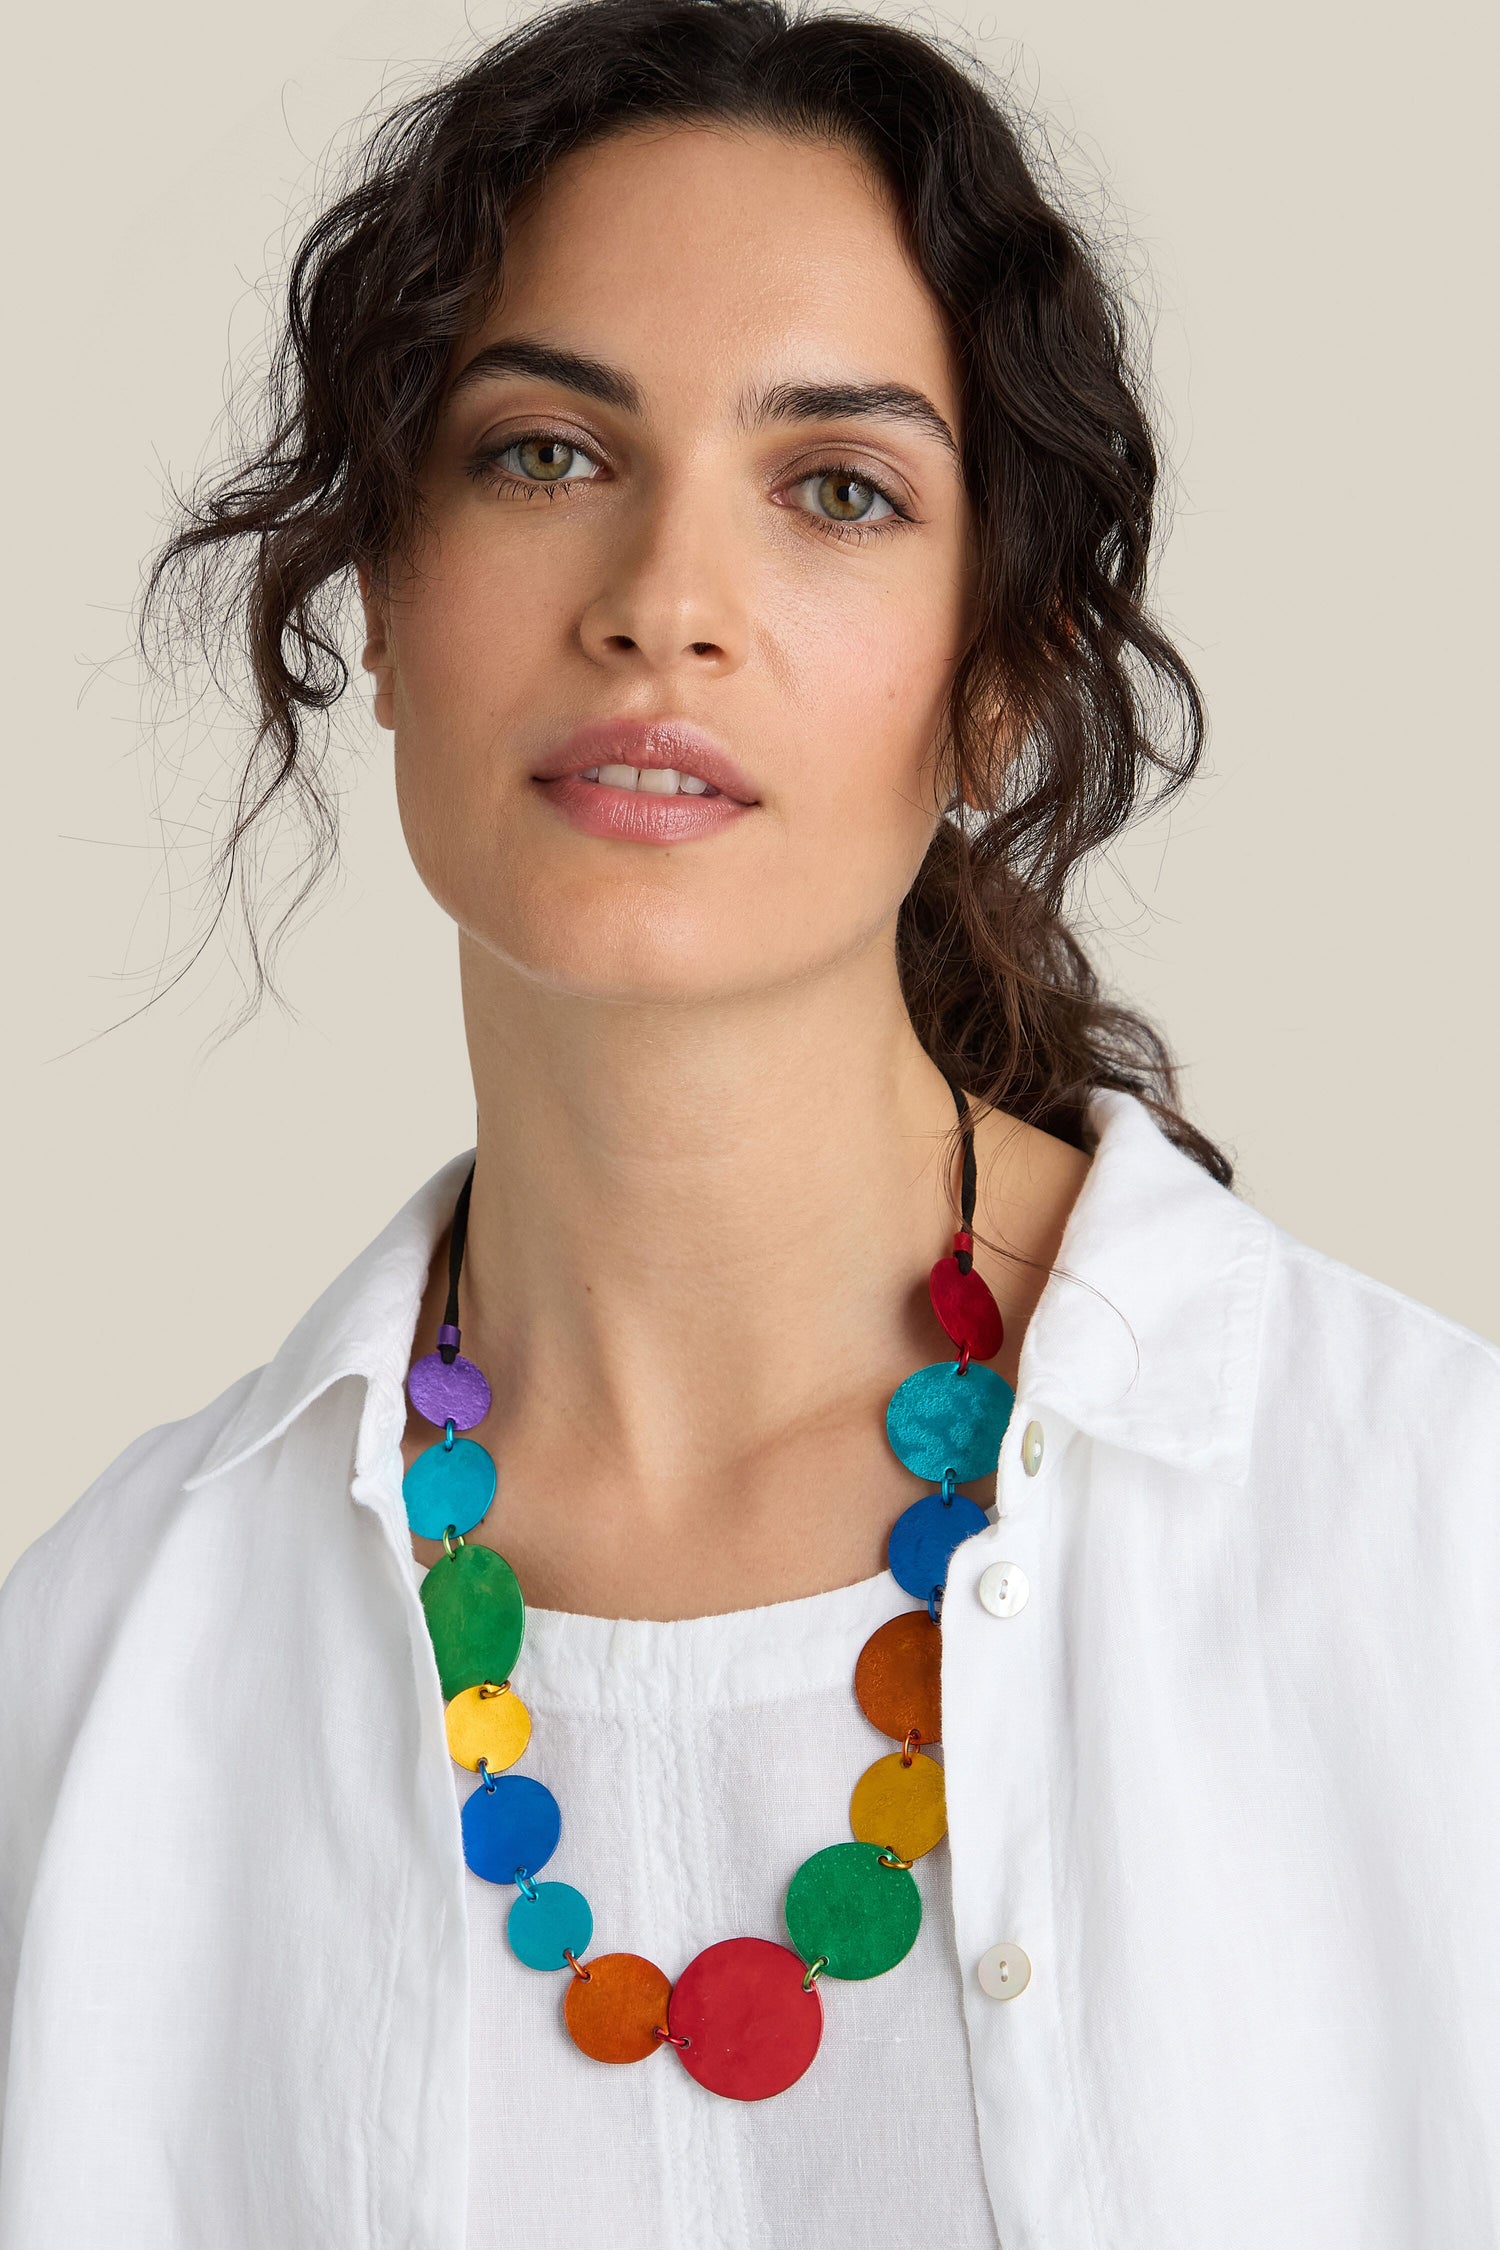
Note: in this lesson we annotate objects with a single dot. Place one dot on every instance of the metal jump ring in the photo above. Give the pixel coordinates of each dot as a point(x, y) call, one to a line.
point(451, 1537)
point(450, 1432)
point(909, 1746)
point(577, 1966)
point(814, 1971)
point(963, 1360)
point(888, 1858)
point(524, 1883)
point(935, 1605)
point(658, 2031)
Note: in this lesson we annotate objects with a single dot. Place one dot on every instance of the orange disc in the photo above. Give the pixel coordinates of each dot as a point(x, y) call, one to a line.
point(612, 2014)
point(898, 1677)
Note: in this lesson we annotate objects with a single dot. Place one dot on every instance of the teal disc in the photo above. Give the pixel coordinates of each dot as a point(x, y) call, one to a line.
point(476, 1617)
point(863, 1917)
point(940, 1420)
point(543, 1930)
point(448, 1485)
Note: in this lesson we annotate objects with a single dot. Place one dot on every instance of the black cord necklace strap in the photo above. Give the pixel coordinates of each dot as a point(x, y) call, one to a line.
point(448, 1336)
point(968, 1186)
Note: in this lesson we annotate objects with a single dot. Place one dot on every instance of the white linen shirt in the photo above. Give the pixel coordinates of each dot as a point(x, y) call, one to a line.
point(1228, 1779)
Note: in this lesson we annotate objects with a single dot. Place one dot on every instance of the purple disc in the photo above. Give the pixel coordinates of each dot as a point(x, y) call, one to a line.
point(458, 1394)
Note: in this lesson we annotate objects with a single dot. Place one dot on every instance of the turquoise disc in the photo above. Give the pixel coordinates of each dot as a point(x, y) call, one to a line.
point(862, 1917)
point(940, 1420)
point(544, 1929)
point(448, 1484)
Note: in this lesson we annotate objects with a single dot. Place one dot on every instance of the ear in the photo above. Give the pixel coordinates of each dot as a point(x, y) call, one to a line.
point(377, 656)
point(980, 792)
point(965, 795)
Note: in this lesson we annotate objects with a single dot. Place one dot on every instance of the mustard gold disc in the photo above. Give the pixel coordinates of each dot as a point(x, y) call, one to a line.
point(487, 1722)
point(613, 2011)
point(900, 1806)
point(898, 1677)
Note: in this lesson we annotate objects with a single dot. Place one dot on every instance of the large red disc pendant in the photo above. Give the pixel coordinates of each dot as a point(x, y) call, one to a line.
point(752, 2028)
point(964, 1305)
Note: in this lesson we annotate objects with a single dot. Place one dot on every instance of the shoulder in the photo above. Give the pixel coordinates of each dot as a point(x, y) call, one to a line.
point(1243, 1348)
point(64, 1589)
point(1375, 1459)
point(64, 1606)
point(1363, 1351)
point(100, 1548)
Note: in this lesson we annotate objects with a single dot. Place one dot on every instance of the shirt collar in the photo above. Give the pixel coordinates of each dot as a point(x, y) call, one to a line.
point(1147, 1336)
point(362, 1324)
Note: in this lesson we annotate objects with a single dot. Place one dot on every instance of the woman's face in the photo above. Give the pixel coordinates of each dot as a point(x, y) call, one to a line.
point(694, 486)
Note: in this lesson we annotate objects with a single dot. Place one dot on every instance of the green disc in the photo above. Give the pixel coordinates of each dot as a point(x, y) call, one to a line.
point(476, 1617)
point(844, 1904)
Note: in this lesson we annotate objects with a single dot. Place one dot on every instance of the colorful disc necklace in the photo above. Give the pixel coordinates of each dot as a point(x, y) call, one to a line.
point(745, 2016)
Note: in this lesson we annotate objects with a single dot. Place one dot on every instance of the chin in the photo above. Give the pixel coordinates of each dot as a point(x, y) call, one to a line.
point(632, 950)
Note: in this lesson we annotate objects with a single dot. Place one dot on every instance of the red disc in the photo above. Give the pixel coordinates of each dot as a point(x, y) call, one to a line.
point(752, 2029)
point(968, 1312)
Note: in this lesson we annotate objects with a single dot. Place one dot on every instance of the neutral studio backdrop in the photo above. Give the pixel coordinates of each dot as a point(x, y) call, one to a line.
point(1304, 196)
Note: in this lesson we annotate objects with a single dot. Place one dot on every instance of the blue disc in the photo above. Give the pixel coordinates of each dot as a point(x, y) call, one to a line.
point(448, 1484)
point(542, 1930)
point(515, 1824)
point(940, 1420)
point(923, 1539)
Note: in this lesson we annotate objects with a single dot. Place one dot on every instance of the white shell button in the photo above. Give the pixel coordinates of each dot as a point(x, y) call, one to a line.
point(1031, 1448)
point(1003, 1588)
point(1003, 1972)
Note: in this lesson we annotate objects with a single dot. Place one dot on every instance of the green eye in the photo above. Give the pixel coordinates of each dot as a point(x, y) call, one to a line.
point(547, 460)
point(843, 497)
point(540, 461)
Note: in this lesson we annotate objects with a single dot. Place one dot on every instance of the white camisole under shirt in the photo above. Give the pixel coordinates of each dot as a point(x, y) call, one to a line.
point(697, 1763)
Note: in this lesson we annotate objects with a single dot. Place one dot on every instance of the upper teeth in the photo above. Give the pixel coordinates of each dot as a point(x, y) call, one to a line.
point(659, 781)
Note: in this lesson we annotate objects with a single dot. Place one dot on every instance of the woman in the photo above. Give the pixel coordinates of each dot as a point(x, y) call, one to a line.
point(1023, 1738)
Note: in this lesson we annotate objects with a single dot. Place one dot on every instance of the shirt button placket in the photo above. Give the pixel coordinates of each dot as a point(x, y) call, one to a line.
point(998, 1747)
point(1003, 1587)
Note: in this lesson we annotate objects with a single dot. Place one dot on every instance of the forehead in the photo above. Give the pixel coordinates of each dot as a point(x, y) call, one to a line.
point(700, 254)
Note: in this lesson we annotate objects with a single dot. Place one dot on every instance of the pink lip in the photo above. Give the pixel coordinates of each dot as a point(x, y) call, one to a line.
point(630, 815)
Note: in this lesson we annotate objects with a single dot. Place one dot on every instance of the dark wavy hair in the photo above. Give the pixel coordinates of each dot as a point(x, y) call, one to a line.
point(1069, 707)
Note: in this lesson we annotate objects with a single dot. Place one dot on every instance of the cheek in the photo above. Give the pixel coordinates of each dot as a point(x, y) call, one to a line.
point(474, 636)
point(872, 692)
point(477, 643)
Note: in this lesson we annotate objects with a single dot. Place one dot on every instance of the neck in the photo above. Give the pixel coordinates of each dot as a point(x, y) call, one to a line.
point(697, 1257)
point(678, 1173)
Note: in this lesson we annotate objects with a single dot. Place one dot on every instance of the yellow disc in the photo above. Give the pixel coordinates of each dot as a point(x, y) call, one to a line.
point(490, 1723)
point(901, 1806)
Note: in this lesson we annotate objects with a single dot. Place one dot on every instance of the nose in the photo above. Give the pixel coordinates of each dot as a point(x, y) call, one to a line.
point(671, 599)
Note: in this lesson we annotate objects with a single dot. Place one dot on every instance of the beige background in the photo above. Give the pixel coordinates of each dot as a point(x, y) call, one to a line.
point(1308, 190)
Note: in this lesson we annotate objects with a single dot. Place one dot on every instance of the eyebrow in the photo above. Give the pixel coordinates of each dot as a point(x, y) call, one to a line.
point(778, 402)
